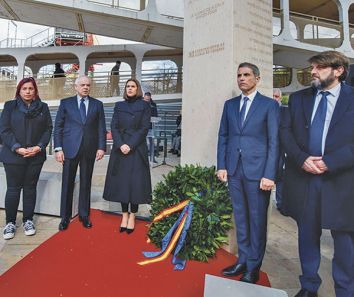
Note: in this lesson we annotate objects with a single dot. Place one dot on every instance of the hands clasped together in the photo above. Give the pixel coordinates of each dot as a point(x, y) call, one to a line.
point(315, 165)
point(29, 151)
point(125, 149)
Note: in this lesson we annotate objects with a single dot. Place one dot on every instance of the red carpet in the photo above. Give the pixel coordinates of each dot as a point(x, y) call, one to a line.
point(101, 262)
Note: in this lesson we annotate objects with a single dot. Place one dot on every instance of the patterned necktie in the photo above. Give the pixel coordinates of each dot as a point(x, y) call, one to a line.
point(83, 110)
point(243, 111)
point(317, 126)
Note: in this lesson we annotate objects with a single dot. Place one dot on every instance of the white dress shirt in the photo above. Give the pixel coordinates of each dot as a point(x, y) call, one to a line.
point(249, 102)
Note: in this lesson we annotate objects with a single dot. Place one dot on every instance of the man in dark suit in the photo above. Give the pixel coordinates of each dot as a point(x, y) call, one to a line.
point(154, 113)
point(277, 95)
point(318, 138)
point(247, 158)
point(79, 139)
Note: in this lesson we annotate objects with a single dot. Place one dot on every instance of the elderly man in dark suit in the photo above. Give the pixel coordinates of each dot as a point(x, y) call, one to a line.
point(248, 159)
point(318, 137)
point(79, 139)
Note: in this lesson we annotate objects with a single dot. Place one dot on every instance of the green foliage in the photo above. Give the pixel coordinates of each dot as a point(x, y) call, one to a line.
point(284, 99)
point(212, 210)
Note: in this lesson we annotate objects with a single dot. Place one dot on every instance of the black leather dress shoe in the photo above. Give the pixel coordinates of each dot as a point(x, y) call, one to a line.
point(85, 222)
point(250, 276)
point(64, 224)
point(306, 293)
point(234, 270)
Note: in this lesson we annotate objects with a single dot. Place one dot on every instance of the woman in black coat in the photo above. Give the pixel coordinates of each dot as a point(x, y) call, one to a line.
point(25, 130)
point(128, 174)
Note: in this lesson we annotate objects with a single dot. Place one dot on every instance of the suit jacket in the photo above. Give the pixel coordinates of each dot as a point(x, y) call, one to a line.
point(70, 132)
point(337, 190)
point(18, 130)
point(282, 155)
point(256, 143)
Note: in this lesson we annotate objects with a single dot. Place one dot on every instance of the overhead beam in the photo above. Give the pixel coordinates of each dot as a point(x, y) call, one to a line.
point(9, 10)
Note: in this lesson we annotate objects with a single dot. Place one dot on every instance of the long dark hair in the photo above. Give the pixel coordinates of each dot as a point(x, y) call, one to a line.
point(139, 92)
point(24, 81)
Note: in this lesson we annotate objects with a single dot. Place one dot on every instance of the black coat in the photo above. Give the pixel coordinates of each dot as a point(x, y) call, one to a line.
point(24, 128)
point(128, 176)
point(337, 189)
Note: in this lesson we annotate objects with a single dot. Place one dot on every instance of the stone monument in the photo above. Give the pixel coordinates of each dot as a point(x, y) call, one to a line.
point(219, 35)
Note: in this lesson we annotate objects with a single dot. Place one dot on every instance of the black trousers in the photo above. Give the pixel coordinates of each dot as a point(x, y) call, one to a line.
point(21, 177)
point(68, 181)
point(133, 207)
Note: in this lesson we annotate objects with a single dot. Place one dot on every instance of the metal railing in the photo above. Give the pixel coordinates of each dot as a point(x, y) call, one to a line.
point(157, 81)
point(316, 30)
point(134, 5)
point(38, 39)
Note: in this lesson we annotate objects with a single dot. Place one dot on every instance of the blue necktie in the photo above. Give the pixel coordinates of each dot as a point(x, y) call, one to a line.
point(243, 111)
point(83, 110)
point(317, 126)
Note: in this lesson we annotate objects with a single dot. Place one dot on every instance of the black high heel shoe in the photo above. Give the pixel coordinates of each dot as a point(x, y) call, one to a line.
point(122, 229)
point(130, 231)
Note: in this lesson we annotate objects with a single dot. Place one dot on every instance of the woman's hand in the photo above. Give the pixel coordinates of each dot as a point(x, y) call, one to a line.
point(125, 149)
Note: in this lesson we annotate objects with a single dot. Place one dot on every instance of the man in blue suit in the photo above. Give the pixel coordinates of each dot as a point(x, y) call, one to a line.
point(318, 138)
point(248, 158)
point(79, 139)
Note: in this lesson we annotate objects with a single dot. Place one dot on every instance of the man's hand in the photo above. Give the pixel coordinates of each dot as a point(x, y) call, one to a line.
point(22, 151)
point(59, 156)
point(321, 165)
point(32, 151)
point(99, 154)
point(125, 149)
point(222, 175)
point(311, 165)
point(266, 184)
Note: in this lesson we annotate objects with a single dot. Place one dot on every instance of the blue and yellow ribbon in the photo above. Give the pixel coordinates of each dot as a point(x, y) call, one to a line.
point(175, 237)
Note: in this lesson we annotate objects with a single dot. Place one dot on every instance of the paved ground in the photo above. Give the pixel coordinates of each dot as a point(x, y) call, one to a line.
point(281, 260)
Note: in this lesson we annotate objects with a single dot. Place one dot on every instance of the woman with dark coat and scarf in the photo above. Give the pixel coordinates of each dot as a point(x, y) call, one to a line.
point(25, 130)
point(128, 174)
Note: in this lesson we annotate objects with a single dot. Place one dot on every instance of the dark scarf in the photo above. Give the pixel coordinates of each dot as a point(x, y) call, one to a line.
point(133, 99)
point(31, 111)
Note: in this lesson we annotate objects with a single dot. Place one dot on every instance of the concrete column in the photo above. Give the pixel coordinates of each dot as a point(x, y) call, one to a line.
point(151, 6)
point(219, 35)
point(343, 8)
point(142, 4)
point(300, 28)
point(179, 64)
point(20, 68)
point(138, 66)
point(35, 67)
point(294, 85)
point(82, 64)
point(285, 20)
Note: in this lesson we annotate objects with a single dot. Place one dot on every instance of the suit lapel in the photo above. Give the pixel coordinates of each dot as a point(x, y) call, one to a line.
point(235, 110)
point(90, 107)
point(252, 109)
point(341, 105)
point(75, 108)
point(308, 102)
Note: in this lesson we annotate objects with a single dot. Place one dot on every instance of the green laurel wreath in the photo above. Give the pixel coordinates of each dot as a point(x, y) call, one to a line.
point(212, 210)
